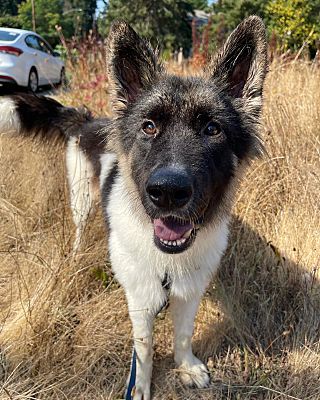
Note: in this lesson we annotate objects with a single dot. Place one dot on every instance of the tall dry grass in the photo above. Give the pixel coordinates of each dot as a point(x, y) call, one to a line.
point(64, 327)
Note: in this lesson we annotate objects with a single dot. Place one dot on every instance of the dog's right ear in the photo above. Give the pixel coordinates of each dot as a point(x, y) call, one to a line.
point(132, 65)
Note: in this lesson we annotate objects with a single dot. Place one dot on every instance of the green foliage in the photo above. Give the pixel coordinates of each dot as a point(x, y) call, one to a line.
point(199, 4)
point(9, 7)
point(167, 22)
point(101, 274)
point(80, 13)
point(48, 15)
point(10, 21)
point(227, 14)
point(74, 16)
point(294, 22)
point(164, 22)
point(62, 51)
point(8, 13)
point(234, 11)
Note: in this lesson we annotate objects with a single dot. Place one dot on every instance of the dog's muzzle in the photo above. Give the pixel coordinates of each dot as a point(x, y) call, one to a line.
point(170, 190)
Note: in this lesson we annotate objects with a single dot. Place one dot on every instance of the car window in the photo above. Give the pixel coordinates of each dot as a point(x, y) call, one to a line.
point(32, 41)
point(44, 47)
point(8, 36)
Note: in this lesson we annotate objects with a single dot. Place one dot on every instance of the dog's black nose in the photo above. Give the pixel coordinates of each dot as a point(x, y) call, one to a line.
point(169, 188)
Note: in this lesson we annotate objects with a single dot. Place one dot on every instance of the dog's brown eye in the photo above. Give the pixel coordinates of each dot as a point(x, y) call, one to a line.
point(149, 128)
point(212, 129)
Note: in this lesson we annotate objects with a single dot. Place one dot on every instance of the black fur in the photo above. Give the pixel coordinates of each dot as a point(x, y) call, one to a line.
point(106, 190)
point(46, 117)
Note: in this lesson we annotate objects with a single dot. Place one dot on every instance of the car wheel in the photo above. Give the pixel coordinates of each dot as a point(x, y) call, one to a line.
point(33, 81)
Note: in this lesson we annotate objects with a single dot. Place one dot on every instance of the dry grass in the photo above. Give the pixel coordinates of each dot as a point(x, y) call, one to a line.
point(64, 328)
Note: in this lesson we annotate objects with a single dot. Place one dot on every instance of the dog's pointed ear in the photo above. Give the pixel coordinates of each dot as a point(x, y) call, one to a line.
point(132, 64)
point(241, 65)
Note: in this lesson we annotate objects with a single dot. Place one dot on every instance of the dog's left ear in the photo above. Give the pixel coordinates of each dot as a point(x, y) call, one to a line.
point(132, 65)
point(241, 65)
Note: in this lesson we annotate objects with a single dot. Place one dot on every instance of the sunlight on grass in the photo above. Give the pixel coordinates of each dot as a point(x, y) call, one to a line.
point(64, 328)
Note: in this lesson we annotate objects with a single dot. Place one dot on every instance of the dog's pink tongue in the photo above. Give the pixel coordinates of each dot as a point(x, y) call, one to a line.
point(169, 229)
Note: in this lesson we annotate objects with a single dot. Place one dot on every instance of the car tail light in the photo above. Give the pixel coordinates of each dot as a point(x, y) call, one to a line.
point(6, 78)
point(14, 51)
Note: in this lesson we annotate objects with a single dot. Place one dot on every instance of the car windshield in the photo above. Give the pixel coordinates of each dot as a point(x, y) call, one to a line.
point(8, 36)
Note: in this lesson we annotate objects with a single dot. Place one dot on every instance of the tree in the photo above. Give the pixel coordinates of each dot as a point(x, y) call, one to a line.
point(10, 21)
point(199, 4)
point(227, 14)
point(9, 7)
point(74, 16)
point(162, 21)
point(47, 16)
point(82, 12)
point(234, 11)
point(295, 22)
point(8, 13)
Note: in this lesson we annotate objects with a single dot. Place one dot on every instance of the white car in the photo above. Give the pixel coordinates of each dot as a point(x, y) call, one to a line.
point(26, 59)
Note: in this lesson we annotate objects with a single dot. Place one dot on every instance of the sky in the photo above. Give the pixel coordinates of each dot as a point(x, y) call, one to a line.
point(100, 6)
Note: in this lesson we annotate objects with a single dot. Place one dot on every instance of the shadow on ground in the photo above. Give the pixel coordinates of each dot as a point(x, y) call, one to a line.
point(263, 322)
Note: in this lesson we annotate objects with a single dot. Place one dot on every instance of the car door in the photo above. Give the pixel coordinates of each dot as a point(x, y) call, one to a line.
point(53, 67)
point(39, 58)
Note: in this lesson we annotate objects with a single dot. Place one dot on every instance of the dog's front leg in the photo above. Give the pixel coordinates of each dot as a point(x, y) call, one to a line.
point(192, 371)
point(142, 313)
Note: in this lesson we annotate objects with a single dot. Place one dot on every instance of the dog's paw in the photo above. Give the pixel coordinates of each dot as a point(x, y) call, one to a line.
point(141, 391)
point(195, 374)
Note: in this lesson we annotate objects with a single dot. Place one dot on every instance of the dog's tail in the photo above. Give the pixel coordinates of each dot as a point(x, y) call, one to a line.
point(39, 116)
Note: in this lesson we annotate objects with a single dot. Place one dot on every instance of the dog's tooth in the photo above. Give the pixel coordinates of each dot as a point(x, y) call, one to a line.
point(187, 234)
point(177, 242)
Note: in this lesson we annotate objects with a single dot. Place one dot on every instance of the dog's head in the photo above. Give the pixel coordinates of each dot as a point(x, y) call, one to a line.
point(180, 140)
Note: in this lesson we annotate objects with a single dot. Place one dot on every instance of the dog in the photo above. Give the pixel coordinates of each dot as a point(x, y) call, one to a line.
point(166, 166)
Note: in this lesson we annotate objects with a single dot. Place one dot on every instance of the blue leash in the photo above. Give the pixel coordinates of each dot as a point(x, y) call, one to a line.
point(133, 373)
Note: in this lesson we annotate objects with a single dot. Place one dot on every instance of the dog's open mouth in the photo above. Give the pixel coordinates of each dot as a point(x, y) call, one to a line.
point(172, 235)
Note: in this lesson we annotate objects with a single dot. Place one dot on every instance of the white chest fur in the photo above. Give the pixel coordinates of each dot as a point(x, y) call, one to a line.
point(136, 260)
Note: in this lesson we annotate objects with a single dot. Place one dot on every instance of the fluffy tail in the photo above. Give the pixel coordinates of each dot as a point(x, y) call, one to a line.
point(31, 115)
